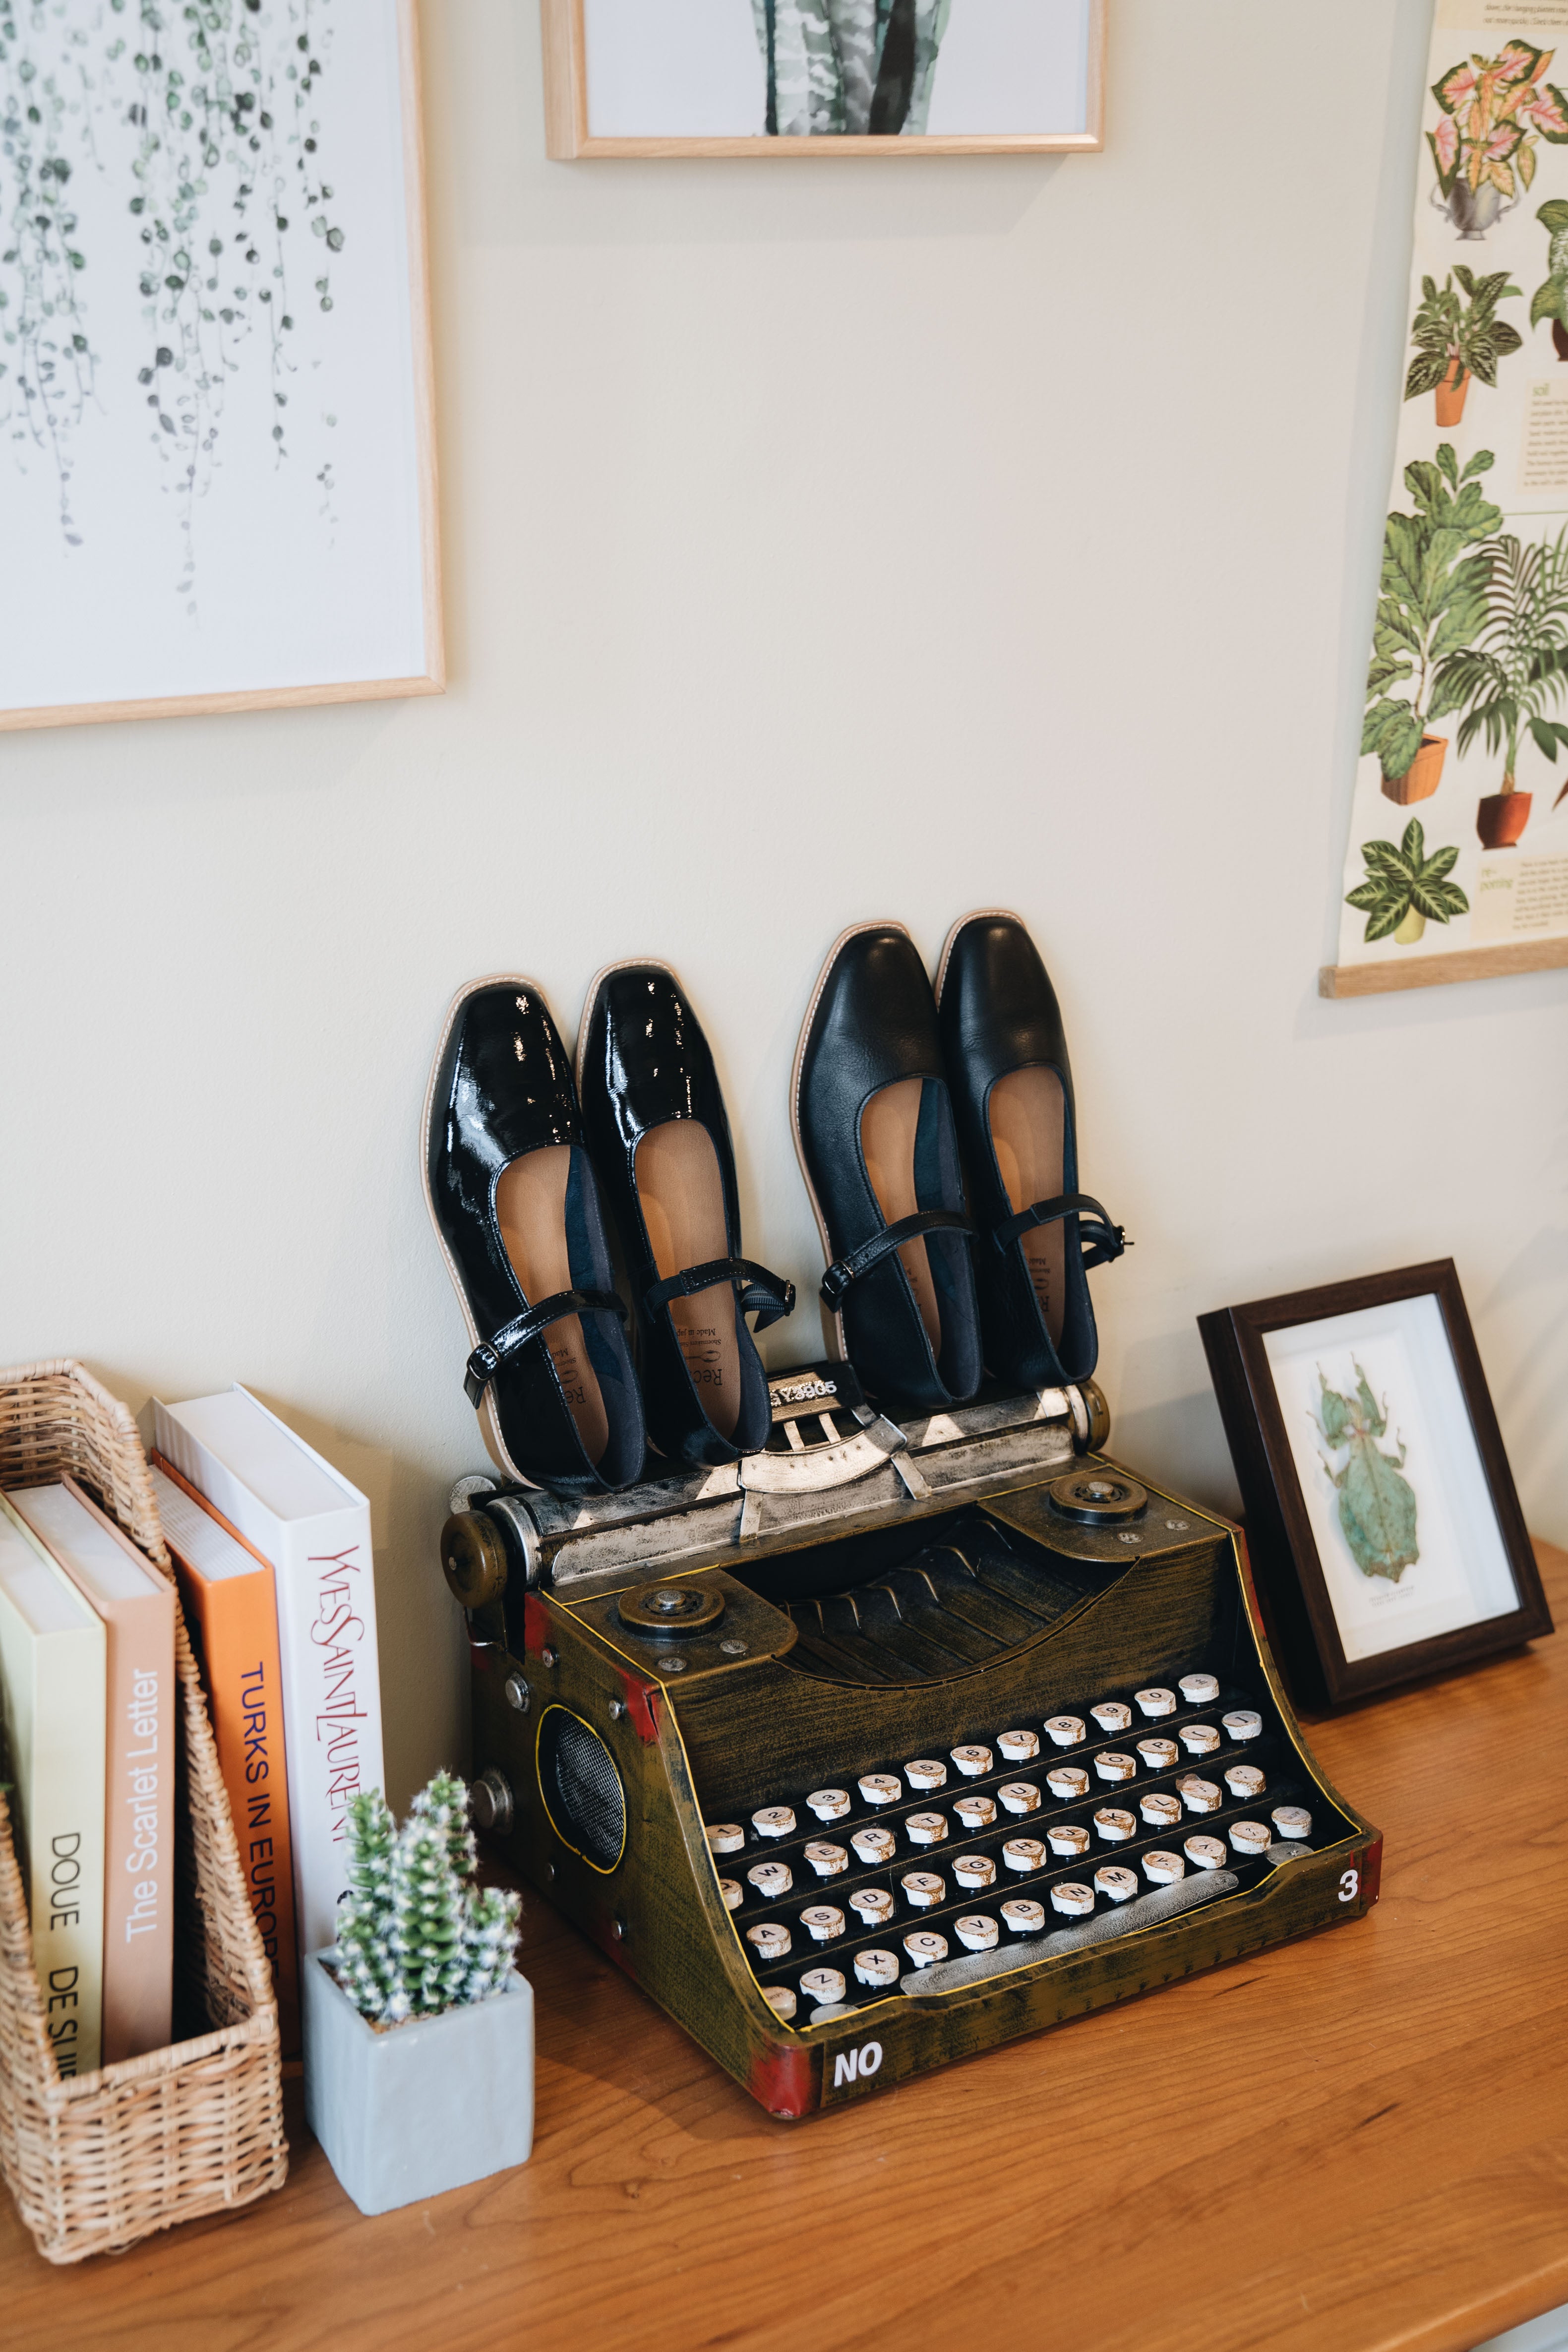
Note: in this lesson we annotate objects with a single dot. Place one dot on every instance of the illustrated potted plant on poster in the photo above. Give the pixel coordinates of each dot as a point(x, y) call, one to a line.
point(1431, 604)
point(1405, 889)
point(1458, 334)
point(1514, 673)
point(418, 2034)
point(1494, 111)
point(1550, 300)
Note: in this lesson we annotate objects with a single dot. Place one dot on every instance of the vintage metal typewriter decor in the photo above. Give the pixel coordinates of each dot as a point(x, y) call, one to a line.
point(891, 1742)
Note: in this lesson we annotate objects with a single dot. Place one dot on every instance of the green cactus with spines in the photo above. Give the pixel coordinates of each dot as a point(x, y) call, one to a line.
point(1377, 1507)
point(415, 1935)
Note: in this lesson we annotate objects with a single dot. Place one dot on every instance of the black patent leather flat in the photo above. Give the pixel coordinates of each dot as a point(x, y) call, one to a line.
point(1035, 1233)
point(874, 1130)
point(515, 1205)
point(656, 1125)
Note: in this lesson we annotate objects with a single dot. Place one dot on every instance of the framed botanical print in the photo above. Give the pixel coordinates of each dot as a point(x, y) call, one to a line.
point(1385, 1534)
point(656, 78)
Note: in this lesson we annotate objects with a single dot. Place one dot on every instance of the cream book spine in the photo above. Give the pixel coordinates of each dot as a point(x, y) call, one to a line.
point(54, 1687)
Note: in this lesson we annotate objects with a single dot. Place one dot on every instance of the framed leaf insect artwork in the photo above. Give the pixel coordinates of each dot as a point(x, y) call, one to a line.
point(801, 78)
point(1384, 1533)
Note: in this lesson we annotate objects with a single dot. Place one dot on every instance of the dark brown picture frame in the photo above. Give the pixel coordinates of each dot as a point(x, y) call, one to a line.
point(1291, 1587)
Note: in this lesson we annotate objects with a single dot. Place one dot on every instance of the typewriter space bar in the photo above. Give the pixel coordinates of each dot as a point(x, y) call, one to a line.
point(1143, 1911)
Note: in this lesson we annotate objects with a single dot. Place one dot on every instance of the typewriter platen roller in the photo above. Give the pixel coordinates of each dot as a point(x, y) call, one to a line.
point(893, 1741)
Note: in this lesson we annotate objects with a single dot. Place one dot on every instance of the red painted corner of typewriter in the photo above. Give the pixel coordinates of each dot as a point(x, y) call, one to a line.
point(642, 1706)
point(783, 2080)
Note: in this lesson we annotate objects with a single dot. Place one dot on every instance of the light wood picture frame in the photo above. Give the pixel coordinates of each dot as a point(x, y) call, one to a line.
point(239, 510)
point(571, 110)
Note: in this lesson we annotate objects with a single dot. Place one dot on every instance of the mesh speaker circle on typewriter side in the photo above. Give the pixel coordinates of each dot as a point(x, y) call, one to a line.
point(583, 1799)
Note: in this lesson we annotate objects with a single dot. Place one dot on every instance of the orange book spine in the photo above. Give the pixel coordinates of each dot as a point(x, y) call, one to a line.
point(234, 1622)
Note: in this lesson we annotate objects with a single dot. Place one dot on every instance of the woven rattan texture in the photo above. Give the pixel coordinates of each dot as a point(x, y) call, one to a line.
point(97, 2163)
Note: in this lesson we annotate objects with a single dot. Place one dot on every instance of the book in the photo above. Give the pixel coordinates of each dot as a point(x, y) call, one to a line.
point(54, 1688)
point(313, 1528)
point(136, 1604)
point(232, 1612)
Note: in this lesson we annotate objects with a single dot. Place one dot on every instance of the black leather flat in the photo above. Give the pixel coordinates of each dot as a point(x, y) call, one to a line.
point(515, 1203)
point(874, 1130)
point(1035, 1233)
point(656, 1125)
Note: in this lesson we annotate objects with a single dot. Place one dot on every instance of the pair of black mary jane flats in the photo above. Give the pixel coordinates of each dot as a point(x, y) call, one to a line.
point(937, 1136)
point(523, 1158)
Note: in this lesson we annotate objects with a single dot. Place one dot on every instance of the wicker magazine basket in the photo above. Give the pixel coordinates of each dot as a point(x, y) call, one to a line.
point(98, 2162)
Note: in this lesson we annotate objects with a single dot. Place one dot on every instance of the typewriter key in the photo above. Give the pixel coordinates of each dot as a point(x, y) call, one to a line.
point(924, 1948)
point(725, 1837)
point(772, 1879)
point(780, 2000)
point(1113, 1766)
point(1244, 1724)
point(925, 1773)
point(1072, 1899)
point(1199, 1796)
point(1155, 1703)
point(1018, 1747)
point(1246, 1781)
point(1115, 1825)
point(1068, 1782)
point(977, 1814)
point(874, 1846)
point(925, 1888)
point(1159, 1755)
point(977, 1933)
point(1160, 1811)
point(732, 1893)
point(1198, 1690)
point(1163, 1869)
point(828, 1861)
point(1250, 1839)
point(876, 1968)
point(822, 1922)
point(825, 1987)
point(874, 1903)
point(926, 1828)
point(1292, 1822)
point(881, 1788)
point(769, 1942)
point(773, 1820)
point(1199, 1738)
point(1021, 1918)
point(1111, 1715)
point(971, 1761)
point(1019, 1796)
point(1066, 1838)
point(972, 1870)
point(1208, 1853)
point(1024, 1853)
point(1064, 1731)
point(829, 1804)
point(1118, 1883)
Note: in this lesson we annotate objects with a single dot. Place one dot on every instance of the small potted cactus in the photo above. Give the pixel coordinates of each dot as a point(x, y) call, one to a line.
point(418, 2033)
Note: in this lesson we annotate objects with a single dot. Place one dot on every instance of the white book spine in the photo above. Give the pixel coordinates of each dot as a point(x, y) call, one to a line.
point(64, 1844)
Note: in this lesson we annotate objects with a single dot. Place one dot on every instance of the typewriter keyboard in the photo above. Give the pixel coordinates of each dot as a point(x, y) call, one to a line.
point(844, 1893)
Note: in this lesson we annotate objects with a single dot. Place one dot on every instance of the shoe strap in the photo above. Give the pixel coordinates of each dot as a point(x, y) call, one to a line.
point(767, 1296)
point(492, 1354)
point(1102, 1240)
point(848, 1269)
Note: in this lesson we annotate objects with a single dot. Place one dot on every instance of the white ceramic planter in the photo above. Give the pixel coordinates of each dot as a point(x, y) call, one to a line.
point(425, 2107)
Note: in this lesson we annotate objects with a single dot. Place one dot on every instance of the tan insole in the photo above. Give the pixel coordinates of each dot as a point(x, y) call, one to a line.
point(888, 1125)
point(1028, 1116)
point(530, 1209)
point(681, 1195)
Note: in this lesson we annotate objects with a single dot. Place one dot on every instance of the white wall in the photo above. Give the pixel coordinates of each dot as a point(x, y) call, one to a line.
point(823, 542)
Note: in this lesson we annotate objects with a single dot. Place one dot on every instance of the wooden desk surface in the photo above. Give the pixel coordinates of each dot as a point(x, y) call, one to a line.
point(1360, 2141)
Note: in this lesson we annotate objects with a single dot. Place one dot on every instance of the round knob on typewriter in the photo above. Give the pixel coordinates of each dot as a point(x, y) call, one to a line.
point(879, 1788)
point(1066, 1839)
point(772, 1879)
point(1250, 1839)
point(1068, 1782)
point(1018, 1747)
point(1118, 1883)
point(768, 1941)
point(1024, 1853)
point(925, 1888)
point(876, 1968)
point(829, 1804)
point(1199, 1738)
point(1245, 1781)
point(828, 1861)
point(1159, 1755)
point(1204, 1852)
point(821, 1923)
point(473, 1559)
point(825, 1987)
point(873, 1904)
point(1161, 1810)
point(1155, 1703)
point(977, 1814)
point(731, 1891)
point(1242, 1723)
point(1111, 1715)
point(1198, 1690)
point(1019, 1796)
point(725, 1837)
point(1064, 1731)
point(1111, 1765)
point(1293, 1823)
point(1023, 1918)
point(976, 1933)
point(972, 1761)
point(773, 1820)
point(974, 1870)
point(925, 1773)
point(1072, 1899)
point(1199, 1796)
point(1163, 1869)
point(1115, 1825)
point(780, 2000)
point(874, 1846)
point(926, 1828)
point(924, 1948)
